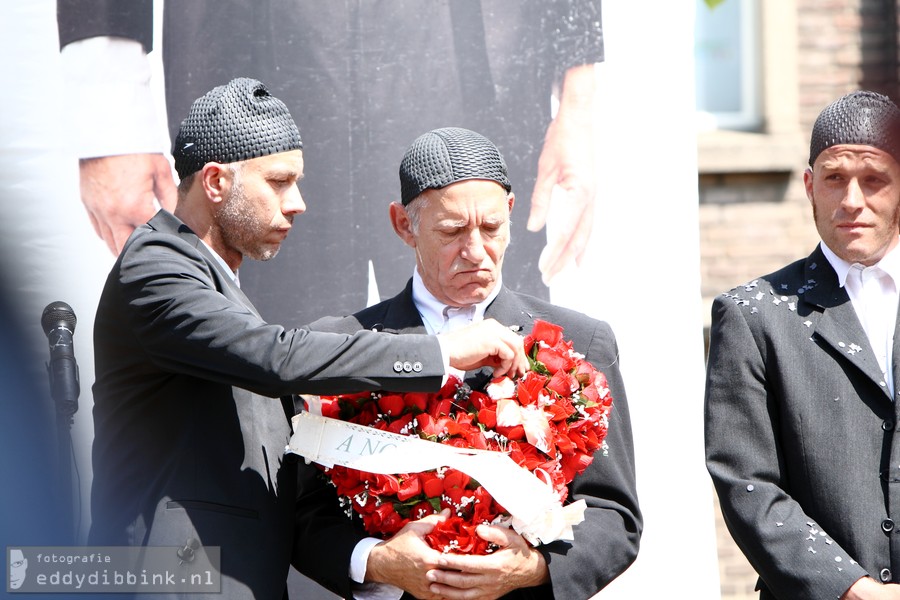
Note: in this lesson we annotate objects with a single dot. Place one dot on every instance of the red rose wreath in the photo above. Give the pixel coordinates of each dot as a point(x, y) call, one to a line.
point(551, 421)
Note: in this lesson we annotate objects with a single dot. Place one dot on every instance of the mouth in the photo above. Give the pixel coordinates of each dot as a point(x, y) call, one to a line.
point(853, 226)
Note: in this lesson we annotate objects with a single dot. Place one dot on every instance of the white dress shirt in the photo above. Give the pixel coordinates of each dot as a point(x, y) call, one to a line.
point(874, 294)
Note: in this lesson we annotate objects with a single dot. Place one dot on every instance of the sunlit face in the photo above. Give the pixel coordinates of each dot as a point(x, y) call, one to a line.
point(855, 195)
point(462, 234)
point(256, 213)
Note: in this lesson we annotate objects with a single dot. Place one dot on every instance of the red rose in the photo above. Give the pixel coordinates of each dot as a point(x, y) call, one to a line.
point(440, 407)
point(513, 433)
point(554, 360)
point(530, 387)
point(431, 484)
point(480, 400)
point(385, 519)
point(331, 408)
point(409, 486)
point(422, 509)
point(488, 418)
point(402, 425)
point(563, 383)
point(549, 333)
point(417, 400)
point(383, 485)
point(391, 405)
point(455, 479)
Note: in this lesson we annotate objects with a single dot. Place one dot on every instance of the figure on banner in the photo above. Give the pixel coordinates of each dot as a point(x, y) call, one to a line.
point(362, 79)
point(801, 392)
point(454, 213)
point(189, 431)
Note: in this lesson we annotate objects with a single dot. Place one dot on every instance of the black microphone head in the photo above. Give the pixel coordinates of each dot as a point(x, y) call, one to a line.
point(58, 314)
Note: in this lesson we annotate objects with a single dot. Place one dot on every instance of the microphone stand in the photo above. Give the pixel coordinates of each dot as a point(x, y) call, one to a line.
point(64, 421)
point(58, 322)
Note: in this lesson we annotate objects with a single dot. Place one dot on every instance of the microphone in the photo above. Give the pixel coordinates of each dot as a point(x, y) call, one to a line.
point(58, 322)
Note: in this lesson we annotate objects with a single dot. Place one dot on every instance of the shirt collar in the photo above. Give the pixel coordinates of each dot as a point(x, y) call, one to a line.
point(221, 261)
point(432, 310)
point(890, 264)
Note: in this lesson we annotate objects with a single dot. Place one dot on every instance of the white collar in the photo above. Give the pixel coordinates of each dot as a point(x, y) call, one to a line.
point(221, 261)
point(890, 264)
point(432, 310)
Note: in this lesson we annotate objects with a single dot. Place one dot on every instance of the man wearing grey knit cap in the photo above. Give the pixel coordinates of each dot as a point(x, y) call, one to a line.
point(189, 429)
point(803, 379)
point(454, 213)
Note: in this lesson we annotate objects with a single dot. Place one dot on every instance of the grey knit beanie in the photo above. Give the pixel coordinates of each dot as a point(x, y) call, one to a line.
point(231, 123)
point(863, 118)
point(444, 156)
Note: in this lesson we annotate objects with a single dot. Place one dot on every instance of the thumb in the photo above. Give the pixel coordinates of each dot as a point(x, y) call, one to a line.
point(494, 535)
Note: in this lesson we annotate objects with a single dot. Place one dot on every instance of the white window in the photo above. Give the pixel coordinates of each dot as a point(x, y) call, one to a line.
point(727, 61)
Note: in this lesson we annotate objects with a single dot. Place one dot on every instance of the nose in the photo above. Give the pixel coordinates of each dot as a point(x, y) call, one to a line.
point(473, 248)
point(854, 198)
point(293, 203)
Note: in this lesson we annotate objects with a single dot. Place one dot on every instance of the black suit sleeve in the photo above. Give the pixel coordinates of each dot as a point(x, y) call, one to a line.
point(82, 19)
point(324, 537)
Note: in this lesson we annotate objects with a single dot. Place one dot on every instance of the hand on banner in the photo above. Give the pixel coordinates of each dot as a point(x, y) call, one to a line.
point(405, 559)
point(567, 161)
point(486, 344)
point(514, 565)
point(119, 192)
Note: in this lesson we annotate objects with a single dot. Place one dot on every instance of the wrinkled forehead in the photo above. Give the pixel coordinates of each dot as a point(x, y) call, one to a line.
point(855, 155)
point(474, 199)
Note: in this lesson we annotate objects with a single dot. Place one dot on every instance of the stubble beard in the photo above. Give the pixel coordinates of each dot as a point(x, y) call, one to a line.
point(241, 230)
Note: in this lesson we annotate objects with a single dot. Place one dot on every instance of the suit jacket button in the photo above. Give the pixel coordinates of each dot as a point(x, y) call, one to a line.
point(398, 367)
point(885, 575)
point(407, 367)
point(887, 425)
point(417, 367)
point(887, 525)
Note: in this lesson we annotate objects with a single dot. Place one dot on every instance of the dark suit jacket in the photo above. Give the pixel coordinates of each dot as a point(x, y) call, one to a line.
point(800, 434)
point(606, 543)
point(189, 431)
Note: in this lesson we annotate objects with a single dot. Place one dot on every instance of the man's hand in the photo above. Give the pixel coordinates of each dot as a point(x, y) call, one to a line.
point(867, 588)
point(515, 565)
point(567, 161)
point(406, 558)
point(486, 344)
point(118, 193)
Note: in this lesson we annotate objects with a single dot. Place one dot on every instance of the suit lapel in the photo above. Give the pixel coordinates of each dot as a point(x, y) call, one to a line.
point(401, 315)
point(507, 310)
point(166, 221)
point(839, 326)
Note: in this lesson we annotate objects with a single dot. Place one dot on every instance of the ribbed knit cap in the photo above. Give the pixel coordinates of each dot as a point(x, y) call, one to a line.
point(863, 118)
point(444, 156)
point(234, 122)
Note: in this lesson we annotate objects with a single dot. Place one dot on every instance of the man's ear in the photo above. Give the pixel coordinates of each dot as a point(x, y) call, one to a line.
point(401, 224)
point(808, 183)
point(512, 200)
point(216, 180)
